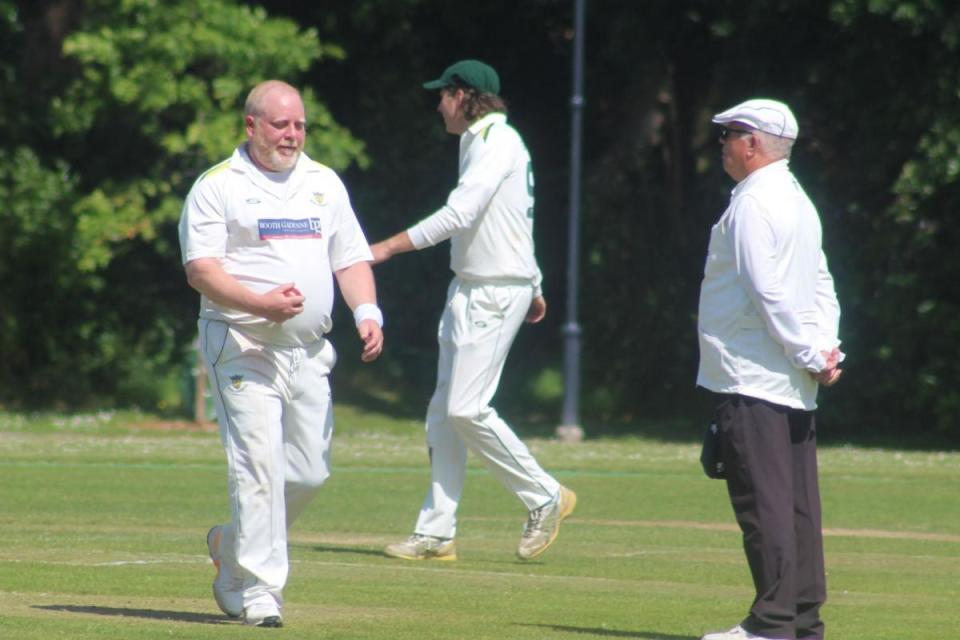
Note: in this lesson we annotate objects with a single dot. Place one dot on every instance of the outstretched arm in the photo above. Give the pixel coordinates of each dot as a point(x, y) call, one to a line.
point(386, 249)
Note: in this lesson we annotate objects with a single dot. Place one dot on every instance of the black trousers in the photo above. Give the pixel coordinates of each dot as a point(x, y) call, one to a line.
point(770, 454)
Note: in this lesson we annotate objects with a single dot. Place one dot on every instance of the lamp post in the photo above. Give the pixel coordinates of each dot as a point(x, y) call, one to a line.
point(570, 429)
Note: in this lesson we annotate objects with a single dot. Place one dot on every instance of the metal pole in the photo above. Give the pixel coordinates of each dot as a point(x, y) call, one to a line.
point(569, 428)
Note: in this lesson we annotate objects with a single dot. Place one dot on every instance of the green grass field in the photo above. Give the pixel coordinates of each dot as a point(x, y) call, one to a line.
point(103, 518)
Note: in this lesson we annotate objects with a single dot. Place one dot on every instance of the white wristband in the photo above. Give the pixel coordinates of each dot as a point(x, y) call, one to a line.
point(367, 311)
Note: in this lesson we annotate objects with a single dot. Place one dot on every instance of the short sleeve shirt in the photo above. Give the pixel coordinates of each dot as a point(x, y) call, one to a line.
point(268, 232)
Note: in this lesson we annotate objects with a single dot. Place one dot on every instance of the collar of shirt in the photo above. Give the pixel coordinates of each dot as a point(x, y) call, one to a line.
point(243, 163)
point(756, 176)
point(491, 118)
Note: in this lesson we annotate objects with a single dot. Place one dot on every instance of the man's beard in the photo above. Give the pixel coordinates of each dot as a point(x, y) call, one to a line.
point(272, 159)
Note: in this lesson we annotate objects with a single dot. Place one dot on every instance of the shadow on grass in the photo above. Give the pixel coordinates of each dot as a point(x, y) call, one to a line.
point(610, 633)
point(150, 614)
point(351, 550)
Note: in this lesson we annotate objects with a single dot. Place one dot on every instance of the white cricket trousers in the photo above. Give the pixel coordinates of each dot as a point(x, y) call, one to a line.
point(273, 408)
point(477, 327)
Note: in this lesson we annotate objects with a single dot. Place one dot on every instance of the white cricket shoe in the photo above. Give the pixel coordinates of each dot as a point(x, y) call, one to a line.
point(421, 547)
point(543, 524)
point(262, 616)
point(737, 633)
point(228, 585)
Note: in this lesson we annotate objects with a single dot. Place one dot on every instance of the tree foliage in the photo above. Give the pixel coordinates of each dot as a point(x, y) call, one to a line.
point(873, 83)
point(129, 100)
point(137, 98)
point(905, 273)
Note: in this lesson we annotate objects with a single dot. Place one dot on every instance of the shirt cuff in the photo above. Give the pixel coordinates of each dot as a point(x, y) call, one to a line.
point(418, 237)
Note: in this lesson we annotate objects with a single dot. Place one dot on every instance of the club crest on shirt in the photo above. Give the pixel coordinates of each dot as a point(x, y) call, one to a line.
point(236, 381)
point(289, 228)
point(318, 198)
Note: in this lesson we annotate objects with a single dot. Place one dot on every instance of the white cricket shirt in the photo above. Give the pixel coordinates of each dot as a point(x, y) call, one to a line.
point(488, 217)
point(767, 302)
point(266, 233)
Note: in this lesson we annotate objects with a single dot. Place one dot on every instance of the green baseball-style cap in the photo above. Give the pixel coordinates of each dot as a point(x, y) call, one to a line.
point(472, 73)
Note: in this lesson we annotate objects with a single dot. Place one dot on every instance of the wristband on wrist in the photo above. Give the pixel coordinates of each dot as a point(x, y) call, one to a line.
point(367, 311)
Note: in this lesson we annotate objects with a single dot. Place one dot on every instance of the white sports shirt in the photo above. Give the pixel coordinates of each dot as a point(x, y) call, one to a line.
point(268, 232)
point(767, 302)
point(489, 215)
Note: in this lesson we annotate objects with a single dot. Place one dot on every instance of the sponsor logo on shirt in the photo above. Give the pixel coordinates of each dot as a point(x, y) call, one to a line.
point(278, 228)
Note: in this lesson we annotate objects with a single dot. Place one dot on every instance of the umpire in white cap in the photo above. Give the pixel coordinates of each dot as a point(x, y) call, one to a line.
point(768, 324)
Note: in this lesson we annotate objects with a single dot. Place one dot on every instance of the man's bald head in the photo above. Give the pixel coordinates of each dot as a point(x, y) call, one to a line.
point(258, 96)
point(276, 125)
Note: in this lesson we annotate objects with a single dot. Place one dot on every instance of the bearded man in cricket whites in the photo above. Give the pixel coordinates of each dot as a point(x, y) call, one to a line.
point(768, 325)
point(263, 234)
point(488, 219)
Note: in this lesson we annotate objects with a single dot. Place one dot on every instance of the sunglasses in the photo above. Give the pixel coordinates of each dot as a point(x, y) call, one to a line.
point(726, 132)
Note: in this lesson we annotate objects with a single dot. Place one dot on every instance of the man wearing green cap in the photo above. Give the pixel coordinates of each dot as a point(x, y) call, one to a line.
point(488, 219)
